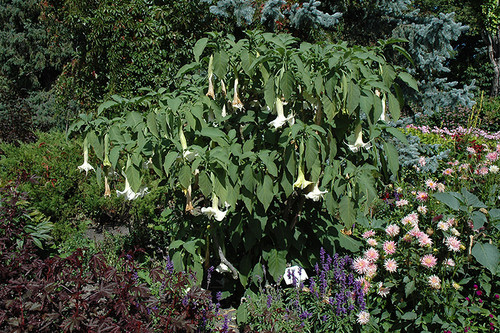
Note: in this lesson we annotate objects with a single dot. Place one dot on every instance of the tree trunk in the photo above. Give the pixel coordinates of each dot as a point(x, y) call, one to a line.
point(493, 43)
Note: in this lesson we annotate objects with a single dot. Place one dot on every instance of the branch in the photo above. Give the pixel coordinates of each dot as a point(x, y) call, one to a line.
point(224, 260)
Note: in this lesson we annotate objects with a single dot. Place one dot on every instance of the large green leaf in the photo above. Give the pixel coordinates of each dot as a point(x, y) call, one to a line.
point(472, 200)
point(448, 199)
point(487, 255)
point(134, 177)
point(265, 192)
point(394, 107)
point(277, 263)
point(347, 212)
point(409, 80)
point(392, 157)
point(199, 47)
point(221, 60)
point(478, 219)
point(185, 176)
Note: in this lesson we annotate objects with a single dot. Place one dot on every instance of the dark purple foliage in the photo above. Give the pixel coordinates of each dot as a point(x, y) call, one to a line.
point(81, 294)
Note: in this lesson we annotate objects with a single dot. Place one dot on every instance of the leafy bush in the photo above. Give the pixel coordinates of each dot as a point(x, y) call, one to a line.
point(213, 149)
point(47, 170)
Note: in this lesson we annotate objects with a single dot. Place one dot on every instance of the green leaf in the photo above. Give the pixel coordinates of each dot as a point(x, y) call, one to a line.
point(448, 200)
point(347, 212)
point(409, 80)
point(248, 179)
point(478, 219)
point(397, 134)
point(212, 132)
point(191, 246)
point(472, 200)
point(199, 47)
point(487, 255)
point(106, 105)
point(277, 263)
point(409, 316)
point(242, 314)
point(265, 192)
point(134, 177)
point(221, 60)
point(353, 97)
point(169, 160)
point(311, 153)
point(151, 121)
point(392, 157)
point(205, 184)
point(286, 84)
point(410, 288)
point(269, 93)
point(394, 107)
point(349, 243)
point(494, 214)
point(185, 176)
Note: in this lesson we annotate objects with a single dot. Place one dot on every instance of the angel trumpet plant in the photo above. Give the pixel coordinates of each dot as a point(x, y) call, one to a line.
point(358, 144)
point(85, 166)
point(280, 119)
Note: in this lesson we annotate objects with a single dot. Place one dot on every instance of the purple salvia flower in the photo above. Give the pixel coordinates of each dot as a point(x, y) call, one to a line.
point(269, 301)
point(225, 326)
point(209, 275)
point(169, 267)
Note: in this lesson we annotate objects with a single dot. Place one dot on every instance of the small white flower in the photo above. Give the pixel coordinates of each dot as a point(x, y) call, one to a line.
point(281, 119)
point(494, 169)
point(189, 155)
point(129, 194)
point(363, 317)
point(358, 133)
point(296, 273)
point(315, 194)
point(214, 210)
point(85, 166)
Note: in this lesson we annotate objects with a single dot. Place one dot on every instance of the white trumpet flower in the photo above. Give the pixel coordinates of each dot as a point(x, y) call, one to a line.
point(187, 154)
point(85, 166)
point(358, 133)
point(214, 210)
point(211, 92)
point(383, 116)
point(281, 119)
point(315, 194)
point(301, 182)
point(236, 100)
point(107, 189)
point(129, 194)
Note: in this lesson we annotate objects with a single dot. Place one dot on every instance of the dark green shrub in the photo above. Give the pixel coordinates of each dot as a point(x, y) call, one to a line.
point(47, 170)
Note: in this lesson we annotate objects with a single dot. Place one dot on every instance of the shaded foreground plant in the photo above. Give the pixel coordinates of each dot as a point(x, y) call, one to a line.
point(82, 294)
